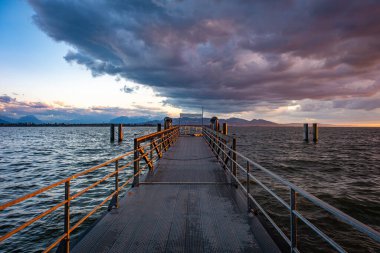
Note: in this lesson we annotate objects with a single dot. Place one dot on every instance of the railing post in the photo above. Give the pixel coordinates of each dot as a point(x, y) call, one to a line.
point(217, 146)
point(117, 184)
point(151, 153)
point(67, 218)
point(136, 164)
point(293, 221)
point(248, 205)
point(223, 152)
point(234, 156)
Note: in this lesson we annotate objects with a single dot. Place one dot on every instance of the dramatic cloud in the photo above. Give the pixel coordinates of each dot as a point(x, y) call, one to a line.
point(226, 55)
point(6, 99)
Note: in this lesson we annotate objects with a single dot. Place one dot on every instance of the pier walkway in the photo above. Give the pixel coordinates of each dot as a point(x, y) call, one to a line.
point(191, 193)
point(185, 205)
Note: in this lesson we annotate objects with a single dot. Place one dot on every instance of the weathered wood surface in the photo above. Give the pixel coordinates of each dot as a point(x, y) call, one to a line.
point(186, 205)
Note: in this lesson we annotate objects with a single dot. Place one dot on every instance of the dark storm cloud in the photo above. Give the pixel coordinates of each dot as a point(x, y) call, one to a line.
point(215, 52)
point(5, 99)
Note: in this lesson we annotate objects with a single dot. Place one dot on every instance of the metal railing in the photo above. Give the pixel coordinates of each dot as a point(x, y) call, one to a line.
point(148, 148)
point(224, 147)
point(187, 130)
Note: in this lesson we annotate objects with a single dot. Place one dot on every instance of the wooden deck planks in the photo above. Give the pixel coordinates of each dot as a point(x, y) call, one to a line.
point(166, 215)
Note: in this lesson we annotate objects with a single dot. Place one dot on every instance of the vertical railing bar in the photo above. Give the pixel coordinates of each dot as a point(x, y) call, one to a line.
point(293, 221)
point(117, 184)
point(151, 153)
point(234, 156)
point(67, 217)
point(223, 154)
point(217, 140)
point(248, 182)
point(136, 163)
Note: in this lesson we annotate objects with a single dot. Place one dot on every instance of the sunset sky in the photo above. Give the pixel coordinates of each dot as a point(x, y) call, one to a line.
point(284, 61)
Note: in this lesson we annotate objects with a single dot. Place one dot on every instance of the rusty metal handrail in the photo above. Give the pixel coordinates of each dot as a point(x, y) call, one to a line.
point(163, 139)
point(221, 149)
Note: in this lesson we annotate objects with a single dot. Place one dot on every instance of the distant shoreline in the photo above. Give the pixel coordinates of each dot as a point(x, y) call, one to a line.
point(73, 125)
point(154, 125)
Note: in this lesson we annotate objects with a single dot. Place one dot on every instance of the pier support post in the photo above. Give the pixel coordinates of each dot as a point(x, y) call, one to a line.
point(248, 183)
point(293, 221)
point(306, 132)
point(225, 129)
point(117, 184)
point(234, 156)
point(136, 164)
point(66, 247)
point(120, 133)
point(151, 154)
point(112, 133)
point(158, 127)
point(315, 132)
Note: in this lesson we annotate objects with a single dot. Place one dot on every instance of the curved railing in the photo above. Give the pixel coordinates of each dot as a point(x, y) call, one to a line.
point(148, 148)
point(224, 147)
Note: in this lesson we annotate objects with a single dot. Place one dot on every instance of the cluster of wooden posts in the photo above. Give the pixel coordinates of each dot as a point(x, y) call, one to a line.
point(214, 125)
point(306, 132)
point(120, 134)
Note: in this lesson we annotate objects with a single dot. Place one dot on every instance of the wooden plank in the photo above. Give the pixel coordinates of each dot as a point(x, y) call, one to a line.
point(198, 216)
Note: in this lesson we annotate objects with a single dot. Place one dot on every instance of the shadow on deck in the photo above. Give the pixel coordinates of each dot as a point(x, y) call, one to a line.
point(185, 205)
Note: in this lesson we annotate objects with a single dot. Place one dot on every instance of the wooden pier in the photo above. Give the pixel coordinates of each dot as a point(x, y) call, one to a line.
point(185, 197)
point(185, 205)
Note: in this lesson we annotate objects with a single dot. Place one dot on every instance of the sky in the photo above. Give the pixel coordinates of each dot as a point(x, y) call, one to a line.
point(284, 61)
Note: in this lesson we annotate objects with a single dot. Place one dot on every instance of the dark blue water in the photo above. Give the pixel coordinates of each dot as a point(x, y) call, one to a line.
point(33, 157)
point(343, 169)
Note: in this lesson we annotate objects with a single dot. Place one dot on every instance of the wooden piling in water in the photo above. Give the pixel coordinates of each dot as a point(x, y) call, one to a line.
point(225, 129)
point(315, 132)
point(306, 132)
point(168, 123)
point(120, 133)
point(112, 133)
point(158, 127)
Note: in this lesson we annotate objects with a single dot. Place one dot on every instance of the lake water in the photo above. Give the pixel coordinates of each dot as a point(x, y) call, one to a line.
point(343, 169)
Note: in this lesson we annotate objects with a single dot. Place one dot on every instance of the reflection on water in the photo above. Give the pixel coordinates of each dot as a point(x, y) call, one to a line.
point(343, 169)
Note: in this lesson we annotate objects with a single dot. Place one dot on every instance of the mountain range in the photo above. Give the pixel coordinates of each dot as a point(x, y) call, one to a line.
point(31, 119)
point(137, 120)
